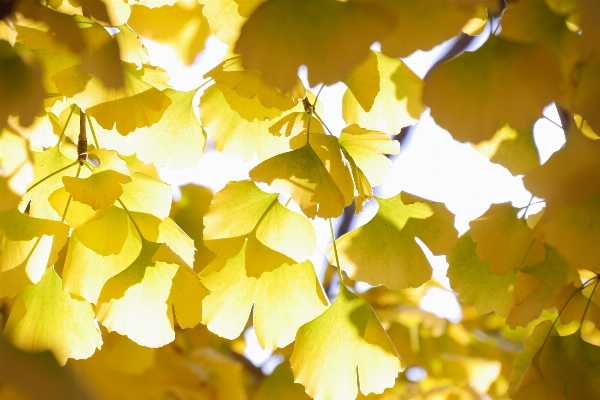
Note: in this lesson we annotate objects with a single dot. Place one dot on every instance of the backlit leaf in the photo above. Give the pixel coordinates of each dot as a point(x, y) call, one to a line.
point(45, 317)
point(345, 341)
point(397, 103)
point(131, 47)
point(329, 37)
point(473, 95)
point(284, 299)
point(385, 251)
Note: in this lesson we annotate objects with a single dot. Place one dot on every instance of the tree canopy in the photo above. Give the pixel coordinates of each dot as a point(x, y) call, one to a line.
point(111, 289)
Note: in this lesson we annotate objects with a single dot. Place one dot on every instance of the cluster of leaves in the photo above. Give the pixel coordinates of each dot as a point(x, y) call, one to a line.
point(94, 254)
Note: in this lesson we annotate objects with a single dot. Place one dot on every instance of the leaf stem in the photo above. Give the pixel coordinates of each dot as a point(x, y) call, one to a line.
point(323, 123)
point(337, 260)
point(527, 208)
point(89, 120)
point(588, 304)
point(67, 123)
point(52, 174)
point(131, 218)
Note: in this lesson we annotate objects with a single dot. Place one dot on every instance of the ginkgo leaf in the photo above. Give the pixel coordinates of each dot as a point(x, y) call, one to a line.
point(399, 95)
point(385, 251)
point(567, 364)
point(131, 47)
point(236, 135)
point(571, 174)
point(472, 280)
point(225, 18)
point(86, 271)
point(343, 348)
point(482, 89)
point(146, 194)
point(505, 240)
point(250, 84)
point(284, 299)
point(275, 234)
point(106, 233)
point(429, 23)
point(21, 90)
point(302, 174)
point(532, 21)
point(189, 213)
point(280, 385)
point(186, 140)
point(29, 246)
point(329, 37)
point(572, 302)
point(15, 168)
point(574, 230)
point(365, 151)
point(45, 317)
point(138, 301)
point(134, 105)
point(104, 186)
point(514, 150)
point(179, 24)
point(524, 307)
point(46, 163)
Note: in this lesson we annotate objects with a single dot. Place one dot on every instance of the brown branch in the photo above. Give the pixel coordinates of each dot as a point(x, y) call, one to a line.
point(82, 141)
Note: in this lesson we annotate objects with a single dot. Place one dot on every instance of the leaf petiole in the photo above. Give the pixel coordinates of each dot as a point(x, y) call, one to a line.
point(51, 175)
point(337, 260)
point(93, 132)
point(132, 220)
point(588, 304)
point(70, 197)
point(66, 123)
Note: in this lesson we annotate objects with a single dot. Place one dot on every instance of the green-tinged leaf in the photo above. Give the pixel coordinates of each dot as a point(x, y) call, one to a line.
point(514, 150)
point(284, 299)
point(472, 280)
point(302, 174)
point(28, 246)
point(505, 240)
point(134, 105)
point(385, 251)
point(177, 140)
point(104, 186)
point(473, 95)
point(345, 341)
point(524, 358)
point(148, 195)
point(399, 95)
point(275, 234)
point(329, 37)
point(280, 385)
point(46, 163)
point(138, 301)
point(45, 317)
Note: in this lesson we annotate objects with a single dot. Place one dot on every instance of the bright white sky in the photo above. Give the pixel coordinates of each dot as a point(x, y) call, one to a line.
point(431, 165)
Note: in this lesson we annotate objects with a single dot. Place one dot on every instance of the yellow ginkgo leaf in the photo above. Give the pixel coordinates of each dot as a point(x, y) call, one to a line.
point(250, 84)
point(86, 271)
point(29, 246)
point(275, 234)
point(524, 307)
point(45, 317)
point(179, 24)
point(365, 151)
point(226, 17)
point(15, 168)
point(21, 89)
point(473, 95)
point(366, 254)
point(280, 385)
point(425, 24)
point(131, 47)
point(472, 280)
point(134, 105)
point(138, 301)
point(177, 140)
point(146, 194)
point(571, 174)
point(302, 174)
point(574, 230)
point(329, 37)
point(399, 95)
point(345, 341)
point(222, 114)
point(284, 299)
point(105, 233)
point(46, 163)
point(514, 150)
point(103, 187)
point(505, 240)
